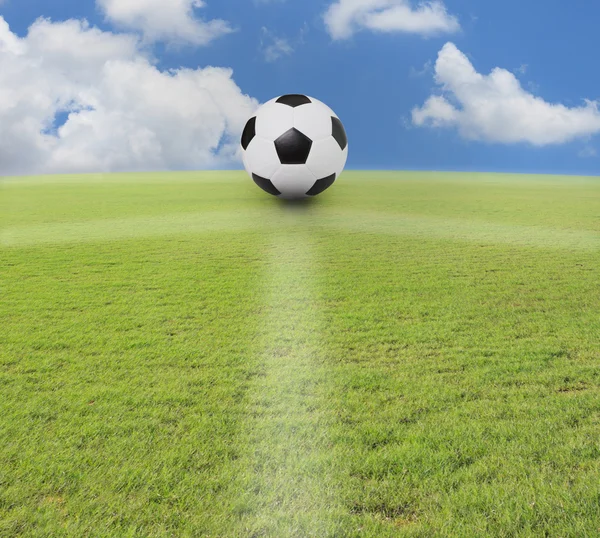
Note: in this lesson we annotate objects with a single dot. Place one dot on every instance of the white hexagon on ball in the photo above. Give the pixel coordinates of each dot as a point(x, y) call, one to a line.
point(294, 147)
point(293, 181)
point(274, 120)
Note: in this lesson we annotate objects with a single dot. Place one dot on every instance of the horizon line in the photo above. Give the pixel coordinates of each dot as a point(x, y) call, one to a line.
point(380, 170)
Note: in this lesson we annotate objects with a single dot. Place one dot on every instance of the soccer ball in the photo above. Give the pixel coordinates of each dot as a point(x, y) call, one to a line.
point(294, 147)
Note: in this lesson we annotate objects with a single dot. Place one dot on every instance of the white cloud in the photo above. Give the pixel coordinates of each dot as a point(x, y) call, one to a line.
point(522, 69)
point(274, 47)
point(173, 21)
point(426, 69)
point(123, 112)
point(588, 151)
point(345, 17)
point(496, 108)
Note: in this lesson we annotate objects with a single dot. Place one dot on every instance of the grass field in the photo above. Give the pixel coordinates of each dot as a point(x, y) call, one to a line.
point(409, 354)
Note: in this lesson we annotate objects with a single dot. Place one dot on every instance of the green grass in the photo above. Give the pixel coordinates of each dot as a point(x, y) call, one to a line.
point(410, 354)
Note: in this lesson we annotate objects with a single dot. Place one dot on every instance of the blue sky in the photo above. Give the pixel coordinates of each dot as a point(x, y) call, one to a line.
point(374, 79)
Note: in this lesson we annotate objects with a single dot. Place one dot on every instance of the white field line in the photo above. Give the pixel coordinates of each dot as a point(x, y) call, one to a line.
point(454, 229)
point(469, 178)
point(129, 227)
point(286, 434)
point(477, 231)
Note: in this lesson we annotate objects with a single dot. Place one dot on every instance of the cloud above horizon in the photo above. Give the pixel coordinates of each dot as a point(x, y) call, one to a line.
point(173, 21)
point(274, 47)
point(345, 17)
point(76, 99)
point(496, 108)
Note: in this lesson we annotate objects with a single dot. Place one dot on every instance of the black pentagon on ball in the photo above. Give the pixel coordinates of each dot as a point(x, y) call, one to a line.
point(320, 185)
point(249, 132)
point(265, 184)
point(293, 147)
point(293, 100)
point(338, 132)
